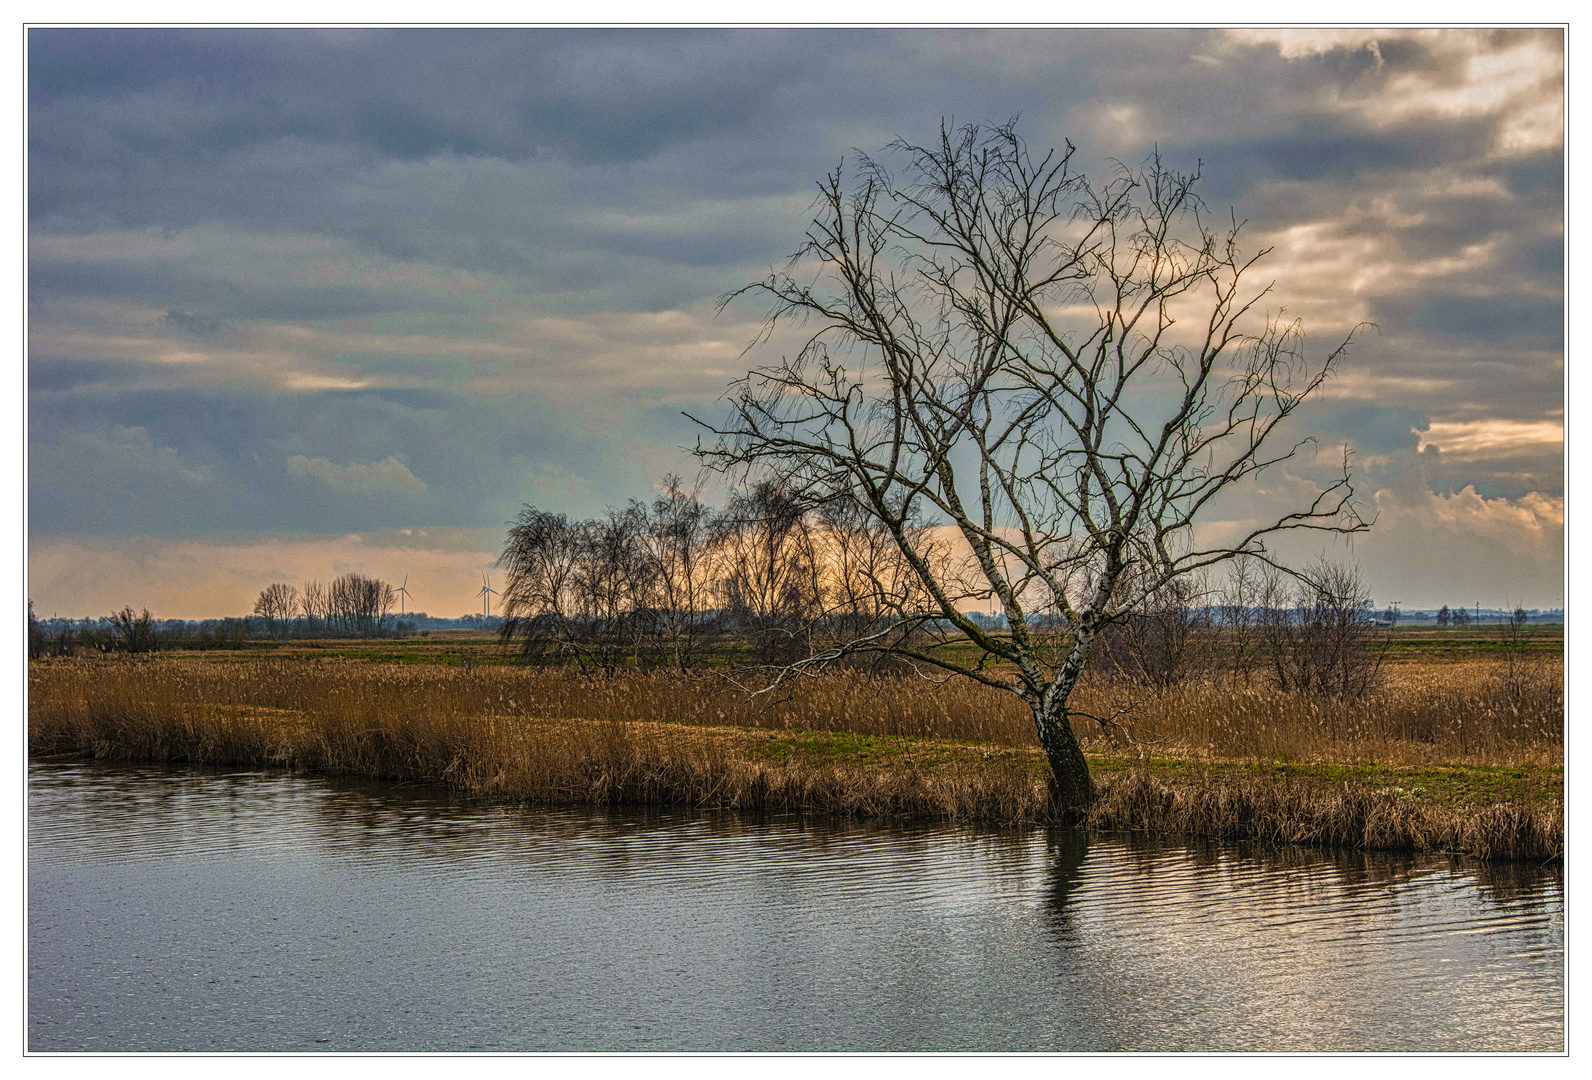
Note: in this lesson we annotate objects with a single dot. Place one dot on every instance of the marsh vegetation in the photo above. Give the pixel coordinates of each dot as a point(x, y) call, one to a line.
point(1456, 754)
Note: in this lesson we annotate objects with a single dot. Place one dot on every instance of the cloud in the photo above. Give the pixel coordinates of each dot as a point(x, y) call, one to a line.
point(1377, 429)
point(478, 457)
point(1515, 76)
point(118, 450)
point(490, 258)
point(390, 474)
point(192, 324)
point(1529, 525)
point(1494, 437)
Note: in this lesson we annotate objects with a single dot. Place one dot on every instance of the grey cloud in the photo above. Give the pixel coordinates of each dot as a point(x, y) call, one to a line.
point(1523, 322)
point(192, 324)
point(1375, 428)
point(48, 375)
point(389, 474)
point(473, 462)
point(615, 172)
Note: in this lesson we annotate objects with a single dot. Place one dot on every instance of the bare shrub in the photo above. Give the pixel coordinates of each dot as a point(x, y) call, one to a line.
point(1318, 633)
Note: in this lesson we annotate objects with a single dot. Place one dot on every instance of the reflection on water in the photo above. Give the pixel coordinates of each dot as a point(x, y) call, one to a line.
point(177, 910)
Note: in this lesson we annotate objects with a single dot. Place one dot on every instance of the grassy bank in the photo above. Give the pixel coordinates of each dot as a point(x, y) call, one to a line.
point(1477, 774)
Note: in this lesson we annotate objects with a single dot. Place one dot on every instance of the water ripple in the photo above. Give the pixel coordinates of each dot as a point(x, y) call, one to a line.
point(218, 910)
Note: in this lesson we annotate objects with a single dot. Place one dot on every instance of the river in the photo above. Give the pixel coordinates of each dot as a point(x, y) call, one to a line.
point(173, 910)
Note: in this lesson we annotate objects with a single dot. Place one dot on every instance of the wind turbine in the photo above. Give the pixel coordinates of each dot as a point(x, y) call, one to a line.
point(486, 594)
point(403, 591)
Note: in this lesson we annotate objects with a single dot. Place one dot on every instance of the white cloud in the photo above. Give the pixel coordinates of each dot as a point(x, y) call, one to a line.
point(1520, 80)
point(389, 474)
point(1492, 438)
point(1532, 525)
point(1331, 271)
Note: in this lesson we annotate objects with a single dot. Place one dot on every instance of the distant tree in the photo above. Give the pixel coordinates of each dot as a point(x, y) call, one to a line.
point(359, 605)
point(312, 604)
point(277, 605)
point(134, 633)
point(1319, 633)
point(1155, 645)
point(864, 578)
point(541, 601)
point(35, 634)
point(677, 543)
point(1444, 616)
point(1240, 616)
point(1461, 616)
point(770, 590)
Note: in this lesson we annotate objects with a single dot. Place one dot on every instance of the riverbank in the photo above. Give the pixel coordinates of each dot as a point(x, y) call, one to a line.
point(473, 735)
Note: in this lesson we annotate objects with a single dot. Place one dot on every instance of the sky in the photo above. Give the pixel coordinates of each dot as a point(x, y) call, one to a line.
point(303, 302)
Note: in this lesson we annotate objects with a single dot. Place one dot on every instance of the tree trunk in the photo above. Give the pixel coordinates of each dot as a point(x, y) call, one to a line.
point(1070, 786)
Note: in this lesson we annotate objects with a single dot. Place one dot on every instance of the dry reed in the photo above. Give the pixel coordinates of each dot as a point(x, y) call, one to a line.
point(545, 735)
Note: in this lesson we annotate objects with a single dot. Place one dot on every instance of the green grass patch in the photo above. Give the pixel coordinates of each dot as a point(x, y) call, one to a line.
point(1445, 785)
point(1448, 785)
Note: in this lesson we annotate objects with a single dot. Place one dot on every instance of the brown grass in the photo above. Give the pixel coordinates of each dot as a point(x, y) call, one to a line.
point(1479, 712)
point(1288, 809)
point(957, 752)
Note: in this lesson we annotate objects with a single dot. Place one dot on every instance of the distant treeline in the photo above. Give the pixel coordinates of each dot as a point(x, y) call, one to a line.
point(127, 631)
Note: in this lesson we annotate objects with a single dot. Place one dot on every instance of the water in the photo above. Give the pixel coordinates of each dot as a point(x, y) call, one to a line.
point(207, 911)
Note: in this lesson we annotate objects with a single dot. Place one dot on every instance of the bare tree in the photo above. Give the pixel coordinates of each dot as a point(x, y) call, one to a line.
point(677, 541)
point(540, 604)
point(582, 589)
point(866, 583)
point(1056, 369)
point(770, 588)
point(1157, 645)
point(134, 633)
point(1239, 618)
point(614, 582)
point(358, 604)
point(312, 604)
point(277, 604)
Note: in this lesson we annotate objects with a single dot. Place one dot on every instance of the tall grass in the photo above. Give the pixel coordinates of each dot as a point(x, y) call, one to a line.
point(484, 734)
point(1475, 713)
point(1485, 712)
point(549, 735)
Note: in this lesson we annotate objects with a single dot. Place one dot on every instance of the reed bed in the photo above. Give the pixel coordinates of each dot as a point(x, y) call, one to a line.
point(1468, 713)
point(1284, 809)
point(1485, 712)
point(966, 752)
